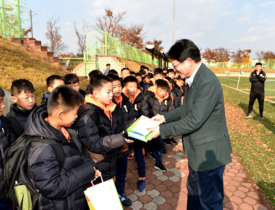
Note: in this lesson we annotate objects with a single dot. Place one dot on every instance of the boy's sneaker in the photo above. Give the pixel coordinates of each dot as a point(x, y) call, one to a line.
point(168, 142)
point(141, 185)
point(248, 115)
point(153, 156)
point(173, 141)
point(160, 167)
point(130, 157)
point(124, 200)
point(261, 117)
point(164, 150)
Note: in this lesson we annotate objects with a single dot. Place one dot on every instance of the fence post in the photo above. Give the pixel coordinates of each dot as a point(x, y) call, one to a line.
point(84, 64)
point(19, 19)
point(3, 20)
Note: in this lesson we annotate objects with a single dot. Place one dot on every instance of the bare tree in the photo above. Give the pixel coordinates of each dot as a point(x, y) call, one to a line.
point(55, 38)
point(110, 23)
point(81, 35)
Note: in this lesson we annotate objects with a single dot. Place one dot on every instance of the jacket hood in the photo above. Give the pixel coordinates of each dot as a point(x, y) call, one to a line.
point(37, 126)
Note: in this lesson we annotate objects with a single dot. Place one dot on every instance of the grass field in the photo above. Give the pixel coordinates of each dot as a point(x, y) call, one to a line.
point(252, 139)
point(245, 85)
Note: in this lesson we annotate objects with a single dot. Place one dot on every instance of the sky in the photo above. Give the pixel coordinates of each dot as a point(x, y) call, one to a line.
point(233, 24)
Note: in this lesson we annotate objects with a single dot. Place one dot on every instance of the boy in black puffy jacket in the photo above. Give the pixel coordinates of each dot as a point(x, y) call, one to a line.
point(103, 130)
point(159, 102)
point(6, 140)
point(129, 116)
point(22, 94)
point(141, 108)
point(60, 188)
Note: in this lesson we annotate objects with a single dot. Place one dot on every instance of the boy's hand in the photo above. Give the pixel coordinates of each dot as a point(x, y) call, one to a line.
point(97, 174)
point(128, 141)
point(155, 133)
point(159, 118)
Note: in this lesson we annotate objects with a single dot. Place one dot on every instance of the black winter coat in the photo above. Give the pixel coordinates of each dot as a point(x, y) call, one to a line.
point(101, 143)
point(129, 117)
point(20, 115)
point(159, 108)
point(177, 94)
point(140, 106)
point(6, 140)
point(60, 188)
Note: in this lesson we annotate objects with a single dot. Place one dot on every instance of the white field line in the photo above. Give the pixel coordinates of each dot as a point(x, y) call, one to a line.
point(245, 92)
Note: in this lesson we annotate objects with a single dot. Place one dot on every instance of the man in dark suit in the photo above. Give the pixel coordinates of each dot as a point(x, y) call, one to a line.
point(201, 122)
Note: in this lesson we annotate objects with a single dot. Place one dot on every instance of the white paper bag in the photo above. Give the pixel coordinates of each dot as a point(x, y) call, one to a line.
point(103, 196)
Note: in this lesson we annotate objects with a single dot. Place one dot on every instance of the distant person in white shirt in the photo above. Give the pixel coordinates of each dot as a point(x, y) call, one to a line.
point(106, 71)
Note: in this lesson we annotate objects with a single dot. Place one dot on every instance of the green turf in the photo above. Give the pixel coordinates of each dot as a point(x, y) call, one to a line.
point(253, 140)
point(245, 84)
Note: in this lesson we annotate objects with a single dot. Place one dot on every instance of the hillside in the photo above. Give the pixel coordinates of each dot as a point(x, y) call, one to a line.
point(19, 62)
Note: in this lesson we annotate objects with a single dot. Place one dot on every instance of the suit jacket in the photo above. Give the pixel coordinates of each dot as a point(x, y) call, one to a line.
point(201, 122)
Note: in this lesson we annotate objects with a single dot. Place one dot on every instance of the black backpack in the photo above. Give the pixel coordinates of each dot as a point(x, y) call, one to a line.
point(15, 126)
point(16, 166)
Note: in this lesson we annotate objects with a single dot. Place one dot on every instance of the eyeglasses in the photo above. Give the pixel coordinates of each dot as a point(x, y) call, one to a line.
point(174, 67)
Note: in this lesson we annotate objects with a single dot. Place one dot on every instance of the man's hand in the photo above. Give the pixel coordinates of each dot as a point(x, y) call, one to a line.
point(97, 174)
point(155, 133)
point(258, 72)
point(159, 118)
point(128, 141)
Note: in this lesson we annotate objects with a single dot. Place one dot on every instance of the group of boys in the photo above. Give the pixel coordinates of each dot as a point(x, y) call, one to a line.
point(91, 127)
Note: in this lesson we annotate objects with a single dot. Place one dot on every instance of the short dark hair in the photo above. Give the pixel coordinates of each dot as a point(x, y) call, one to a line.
point(125, 69)
point(64, 97)
point(138, 75)
point(113, 77)
point(71, 79)
point(149, 75)
point(169, 79)
point(258, 64)
point(165, 68)
point(142, 71)
point(2, 92)
point(130, 79)
point(171, 71)
point(132, 72)
point(162, 84)
point(145, 67)
point(108, 64)
point(158, 71)
point(97, 82)
point(50, 79)
point(94, 73)
point(112, 71)
point(184, 49)
point(21, 85)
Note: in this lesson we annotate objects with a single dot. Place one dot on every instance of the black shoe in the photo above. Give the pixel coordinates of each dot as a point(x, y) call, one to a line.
point(168, 142)
point(173, 141)
point(160, 167)
point(164, 150)
point(125, 201)
point(153, 156)
point(261, 117)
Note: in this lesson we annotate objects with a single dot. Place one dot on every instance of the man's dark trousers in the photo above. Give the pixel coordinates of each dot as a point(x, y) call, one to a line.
point(205, 189)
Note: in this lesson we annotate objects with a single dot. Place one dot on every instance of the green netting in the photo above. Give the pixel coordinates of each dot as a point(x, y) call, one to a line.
point(10, 25)
point(102, 43)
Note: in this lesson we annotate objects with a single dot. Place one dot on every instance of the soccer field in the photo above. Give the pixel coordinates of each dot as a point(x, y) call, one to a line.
point(245, 85)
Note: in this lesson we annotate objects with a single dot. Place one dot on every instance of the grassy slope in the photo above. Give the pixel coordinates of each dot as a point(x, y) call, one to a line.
point(18, 62)
point(253, 139)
